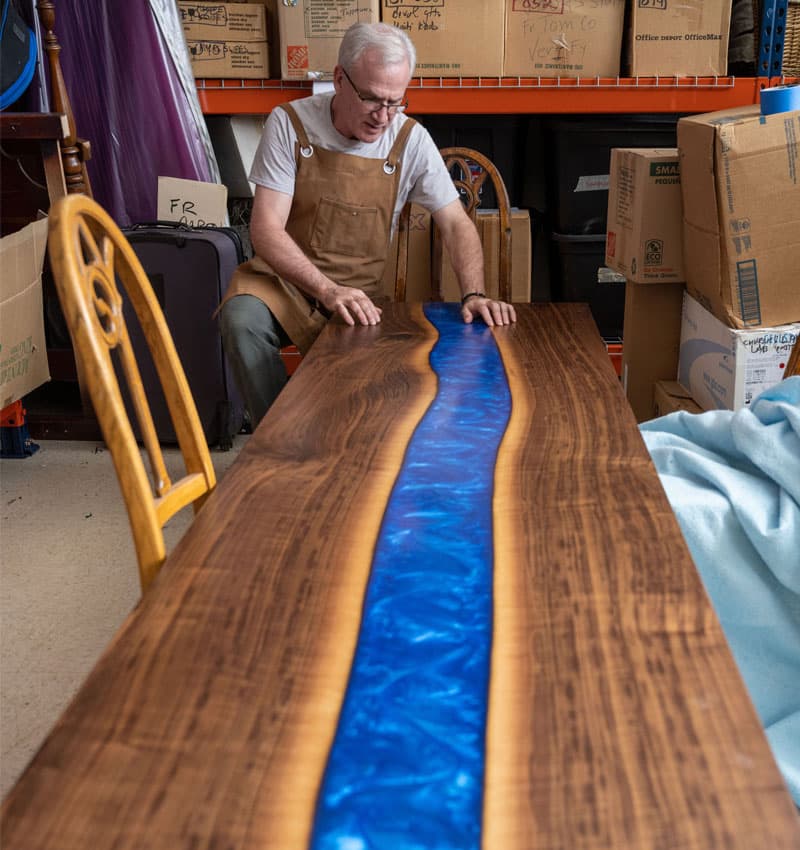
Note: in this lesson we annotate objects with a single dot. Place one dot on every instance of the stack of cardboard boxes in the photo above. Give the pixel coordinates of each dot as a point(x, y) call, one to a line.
point(727, 337)
point(466, 38)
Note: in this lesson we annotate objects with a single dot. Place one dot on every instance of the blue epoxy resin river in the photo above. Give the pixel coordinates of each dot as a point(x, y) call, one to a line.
point(407, 762)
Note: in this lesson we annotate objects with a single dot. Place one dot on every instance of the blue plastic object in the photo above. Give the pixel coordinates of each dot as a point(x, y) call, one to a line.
point(17, 56)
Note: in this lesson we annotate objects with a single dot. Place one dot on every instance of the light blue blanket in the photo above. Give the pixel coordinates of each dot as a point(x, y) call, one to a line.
point(733, 479)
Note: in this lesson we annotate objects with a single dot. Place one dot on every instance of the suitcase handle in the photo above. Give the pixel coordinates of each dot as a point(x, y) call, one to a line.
point(167, 225)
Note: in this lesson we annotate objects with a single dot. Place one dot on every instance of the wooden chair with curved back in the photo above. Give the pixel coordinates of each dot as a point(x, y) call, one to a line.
point(89, 254)
point(469, 169)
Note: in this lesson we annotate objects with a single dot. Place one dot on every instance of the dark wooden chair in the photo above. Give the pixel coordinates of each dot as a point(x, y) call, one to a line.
point(470, 170)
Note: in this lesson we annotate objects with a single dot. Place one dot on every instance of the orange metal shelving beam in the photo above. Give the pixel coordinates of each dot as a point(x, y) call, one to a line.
point(510, 95)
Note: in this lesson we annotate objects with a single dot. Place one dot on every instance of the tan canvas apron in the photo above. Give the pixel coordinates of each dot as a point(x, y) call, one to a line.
point(341, 218)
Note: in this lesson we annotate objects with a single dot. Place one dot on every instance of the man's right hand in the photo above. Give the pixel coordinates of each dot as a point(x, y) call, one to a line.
point(353, 305)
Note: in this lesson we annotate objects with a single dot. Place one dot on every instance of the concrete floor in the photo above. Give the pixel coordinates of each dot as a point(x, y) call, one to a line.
point(68, 578)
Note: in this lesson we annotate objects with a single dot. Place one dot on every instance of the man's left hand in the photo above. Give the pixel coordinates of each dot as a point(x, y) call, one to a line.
point(492, 312)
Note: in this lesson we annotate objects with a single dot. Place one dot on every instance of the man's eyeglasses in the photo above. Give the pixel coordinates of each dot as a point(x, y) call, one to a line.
point(375, 105)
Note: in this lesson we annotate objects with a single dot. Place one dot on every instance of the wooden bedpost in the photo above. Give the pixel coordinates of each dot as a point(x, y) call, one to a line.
point(74, 151)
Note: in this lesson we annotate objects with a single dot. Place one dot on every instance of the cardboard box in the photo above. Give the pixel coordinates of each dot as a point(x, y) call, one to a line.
point(310, 32)
point(741, 214)
point(226, 39)
point(687, 39)
point(192, 202)
point(420, 258)
point(671, 396)
point(651, 337)
point(488, 224)
point(563, 38)
point(644, 240)
point(727, 368)
point(453, 38)
point(23, 355)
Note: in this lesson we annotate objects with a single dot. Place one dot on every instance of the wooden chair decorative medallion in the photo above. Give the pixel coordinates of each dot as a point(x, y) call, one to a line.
point(469, 169)
point(89, 255)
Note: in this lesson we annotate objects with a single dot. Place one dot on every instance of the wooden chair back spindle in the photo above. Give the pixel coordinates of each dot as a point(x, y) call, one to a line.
point(89, 254)
point(74, 151)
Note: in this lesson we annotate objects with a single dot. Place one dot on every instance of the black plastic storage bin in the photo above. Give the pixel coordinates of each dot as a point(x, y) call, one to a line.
point(577, 151)
point(499, 137)
point(576, 262)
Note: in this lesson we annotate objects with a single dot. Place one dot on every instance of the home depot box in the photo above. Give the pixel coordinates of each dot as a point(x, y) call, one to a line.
point(643, 240)
point(226, 39)
point(310, 32)
point(687, 39)
point(453, 38)
point(671, 396)
point(420, 258)
point(563, 38)
point(725, 367)
point(651, 333)
point(740, 184)
point(23, 356)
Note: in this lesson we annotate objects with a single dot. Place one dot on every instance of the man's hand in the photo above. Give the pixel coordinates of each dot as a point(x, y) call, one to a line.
point(492, 312)
point(353, 305)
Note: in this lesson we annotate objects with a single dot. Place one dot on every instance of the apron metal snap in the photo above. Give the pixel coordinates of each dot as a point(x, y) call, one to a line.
point(307, 152)
point(389, 167)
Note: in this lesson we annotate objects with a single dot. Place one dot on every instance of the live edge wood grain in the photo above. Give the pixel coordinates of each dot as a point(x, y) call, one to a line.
point(617, 718)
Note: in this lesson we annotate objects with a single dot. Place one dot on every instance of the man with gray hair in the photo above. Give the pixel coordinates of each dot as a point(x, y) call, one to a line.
point(332, 173)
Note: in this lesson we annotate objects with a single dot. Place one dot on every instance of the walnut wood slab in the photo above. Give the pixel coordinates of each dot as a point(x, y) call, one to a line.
point(617, 718)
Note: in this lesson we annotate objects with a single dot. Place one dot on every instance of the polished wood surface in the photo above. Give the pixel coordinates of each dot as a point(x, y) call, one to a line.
point(617, 718)
point(92, 263)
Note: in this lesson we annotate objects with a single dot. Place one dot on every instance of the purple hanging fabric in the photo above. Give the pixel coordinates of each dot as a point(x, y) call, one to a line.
point(128, 102)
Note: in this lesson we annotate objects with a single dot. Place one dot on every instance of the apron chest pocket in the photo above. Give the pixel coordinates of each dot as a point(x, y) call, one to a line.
point(346, 229)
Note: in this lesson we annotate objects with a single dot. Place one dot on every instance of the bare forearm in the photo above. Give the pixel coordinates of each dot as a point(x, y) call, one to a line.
point(466, 256)
point(285, 257)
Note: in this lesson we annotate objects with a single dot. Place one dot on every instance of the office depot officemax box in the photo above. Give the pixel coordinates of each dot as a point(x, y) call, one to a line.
point(688, 39)
point(643, 239)
point(726, 368)
point(310, 32)
point(453, 38)
point(563, 38)
point(226, 40)
point(740, 185)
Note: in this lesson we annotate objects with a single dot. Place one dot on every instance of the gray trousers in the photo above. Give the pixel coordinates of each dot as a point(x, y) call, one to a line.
point(252, 339)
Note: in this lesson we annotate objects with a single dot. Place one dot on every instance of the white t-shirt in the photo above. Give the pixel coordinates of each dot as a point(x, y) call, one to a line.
point(423, 177)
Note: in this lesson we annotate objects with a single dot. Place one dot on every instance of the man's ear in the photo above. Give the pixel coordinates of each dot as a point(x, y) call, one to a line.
point(338, 78)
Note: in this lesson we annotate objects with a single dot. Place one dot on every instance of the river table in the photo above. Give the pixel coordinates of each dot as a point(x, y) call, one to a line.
point(439, 601)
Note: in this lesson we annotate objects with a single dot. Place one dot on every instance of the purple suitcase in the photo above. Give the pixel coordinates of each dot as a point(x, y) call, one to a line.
point(189, 269)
